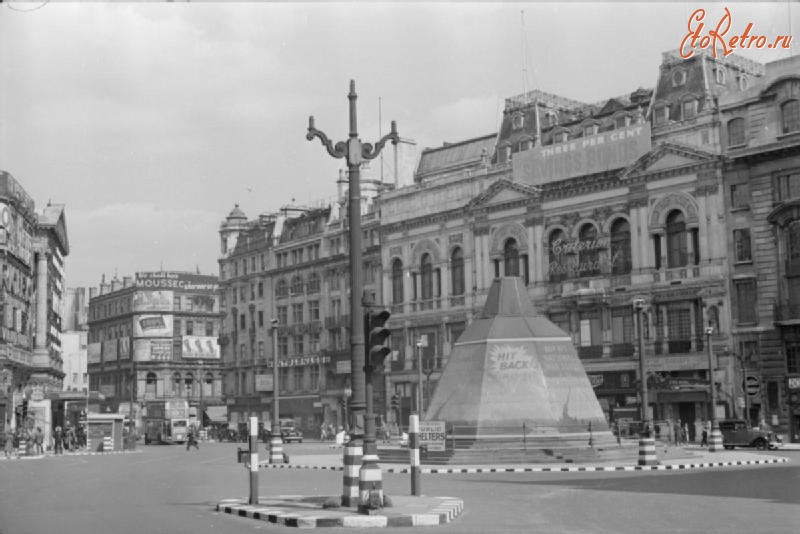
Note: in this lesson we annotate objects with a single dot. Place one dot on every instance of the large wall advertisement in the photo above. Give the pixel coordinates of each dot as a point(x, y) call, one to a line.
point(145, 350)
point(94, 352)
point(153, 301)
point(177, 281)
point(605, 151)
point(199, 347)
point(110, 350)
point(152, 326)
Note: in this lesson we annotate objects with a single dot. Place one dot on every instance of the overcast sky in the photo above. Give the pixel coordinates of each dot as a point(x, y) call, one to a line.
point(150, 120)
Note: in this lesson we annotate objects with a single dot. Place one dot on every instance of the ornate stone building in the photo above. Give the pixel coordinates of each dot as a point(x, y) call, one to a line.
point(761, 141)
point(33, 246)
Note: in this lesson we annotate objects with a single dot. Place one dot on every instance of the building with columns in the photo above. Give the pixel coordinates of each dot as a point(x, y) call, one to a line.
point(33, 246)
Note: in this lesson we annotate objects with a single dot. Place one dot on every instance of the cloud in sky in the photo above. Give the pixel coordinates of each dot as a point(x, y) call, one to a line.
point(150, 120)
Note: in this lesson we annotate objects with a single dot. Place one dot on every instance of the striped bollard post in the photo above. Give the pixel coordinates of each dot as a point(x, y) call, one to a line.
point(253, 442)
point(22, 447)
point(647, 449)
point(352, 464)
point(275, 446)
point(715, 439)
point(413, 452)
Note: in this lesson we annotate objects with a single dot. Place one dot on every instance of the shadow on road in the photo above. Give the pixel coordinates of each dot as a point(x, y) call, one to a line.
point(777, 484)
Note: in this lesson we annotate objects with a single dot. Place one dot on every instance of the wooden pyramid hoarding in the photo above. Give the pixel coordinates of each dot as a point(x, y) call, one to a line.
point(512, 366)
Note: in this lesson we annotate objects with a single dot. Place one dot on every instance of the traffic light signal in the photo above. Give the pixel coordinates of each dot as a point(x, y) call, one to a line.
point(395, 402)
point(377, 335)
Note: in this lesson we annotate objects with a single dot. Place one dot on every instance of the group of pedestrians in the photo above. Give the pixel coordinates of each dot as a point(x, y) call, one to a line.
point(33, 440)
point(680, 433)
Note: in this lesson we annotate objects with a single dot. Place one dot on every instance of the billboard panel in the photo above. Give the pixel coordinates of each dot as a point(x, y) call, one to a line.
point(177, 281)
point(153, 301)
point(604, 151)
point(110, 350)
point(199, 347)
point(264, 382)
point(145, 350)
point(152, 326)
point(94, 352)
point(125, 348)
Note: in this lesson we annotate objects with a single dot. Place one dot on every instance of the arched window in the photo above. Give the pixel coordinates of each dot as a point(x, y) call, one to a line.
point(397, 281)
point(620, 247)
point(150, 385)
point(189, 380)
point(177, 385)
point(793, 242)
point(457, 271)
point(589, 253)
point(790, 115)
point(676, 240)
point(557, 267)
point(511, 257)
point(426, 276)
point(208, 385)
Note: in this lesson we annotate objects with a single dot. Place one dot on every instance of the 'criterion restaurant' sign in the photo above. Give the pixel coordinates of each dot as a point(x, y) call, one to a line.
point(566, 259)
point(605, 151)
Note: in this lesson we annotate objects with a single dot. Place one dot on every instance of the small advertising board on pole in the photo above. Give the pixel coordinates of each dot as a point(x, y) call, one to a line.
point(432, 435)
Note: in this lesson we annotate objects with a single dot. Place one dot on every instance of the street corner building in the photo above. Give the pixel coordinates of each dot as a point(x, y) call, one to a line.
point(33, 248)
point(682, 196)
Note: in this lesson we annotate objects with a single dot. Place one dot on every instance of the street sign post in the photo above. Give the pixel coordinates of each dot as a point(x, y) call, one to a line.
point(432, 435)
point(751, 385)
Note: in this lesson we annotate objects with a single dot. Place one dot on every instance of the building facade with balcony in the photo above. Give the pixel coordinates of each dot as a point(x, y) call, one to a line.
point(33, 247)
point(154, 337)
point(292, 267)
point(761, 141)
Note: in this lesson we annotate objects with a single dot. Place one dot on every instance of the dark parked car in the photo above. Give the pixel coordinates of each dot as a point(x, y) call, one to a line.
point(290, 432)
point(736, 433)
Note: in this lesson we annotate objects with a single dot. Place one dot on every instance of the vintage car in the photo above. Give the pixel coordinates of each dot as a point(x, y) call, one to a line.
point(737, 433)
point(290, 432)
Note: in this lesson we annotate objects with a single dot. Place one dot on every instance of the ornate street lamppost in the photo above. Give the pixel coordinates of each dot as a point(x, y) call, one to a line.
point(275, 441)
point(356, 152)
point(647, 446)
point(715, 437)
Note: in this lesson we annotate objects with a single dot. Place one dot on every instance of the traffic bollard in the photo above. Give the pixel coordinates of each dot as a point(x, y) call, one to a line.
point(413, 451)
point(253, 460)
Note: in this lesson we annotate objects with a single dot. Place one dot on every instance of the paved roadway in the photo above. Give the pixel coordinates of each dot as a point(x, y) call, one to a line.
point(165, 489)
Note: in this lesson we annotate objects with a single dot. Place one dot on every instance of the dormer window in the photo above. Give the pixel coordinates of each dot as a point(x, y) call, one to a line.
point(504, 154)
point(660, 115)
point(744, 82)
point(790, 116)
point(560, 137)
point(678, 77)
point(518, 121)
point(622, 121)
point(525, 144)
point(688, 108)
point(551, 118)
point(590, 129)
point(720, 74)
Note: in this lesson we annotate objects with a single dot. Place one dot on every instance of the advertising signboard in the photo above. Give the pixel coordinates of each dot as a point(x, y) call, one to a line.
point(94, 352)
point(432, 435)
point(604, 151)
point(199, 347)
point(264, 382)
point(145, 350)
point(110, 350)
point(153, 301)
point(124, 348)
point(152, 326)
point(177, 281)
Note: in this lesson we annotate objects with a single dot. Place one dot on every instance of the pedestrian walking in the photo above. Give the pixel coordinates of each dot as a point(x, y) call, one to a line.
point(38, 440)
point(704, 439)
point(9, 436)
point(685, 433)
point(58, 441)
point(191, 439)
point(677, 432)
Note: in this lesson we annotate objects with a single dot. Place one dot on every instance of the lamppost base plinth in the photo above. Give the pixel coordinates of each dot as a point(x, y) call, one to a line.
point(276, 450)
point(647, 450)
point(353, 452)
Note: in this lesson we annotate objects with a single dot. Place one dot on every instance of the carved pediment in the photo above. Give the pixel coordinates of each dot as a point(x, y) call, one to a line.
point(503, 191)
point(667, 156)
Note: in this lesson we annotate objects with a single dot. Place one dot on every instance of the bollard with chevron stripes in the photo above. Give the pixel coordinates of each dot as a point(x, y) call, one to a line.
point(715, 438)
point(413, 452)
point(352, 465)
point(253, 442)
point(647, 448)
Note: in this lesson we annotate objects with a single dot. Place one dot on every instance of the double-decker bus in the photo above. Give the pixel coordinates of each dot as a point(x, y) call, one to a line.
point(166, 421)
